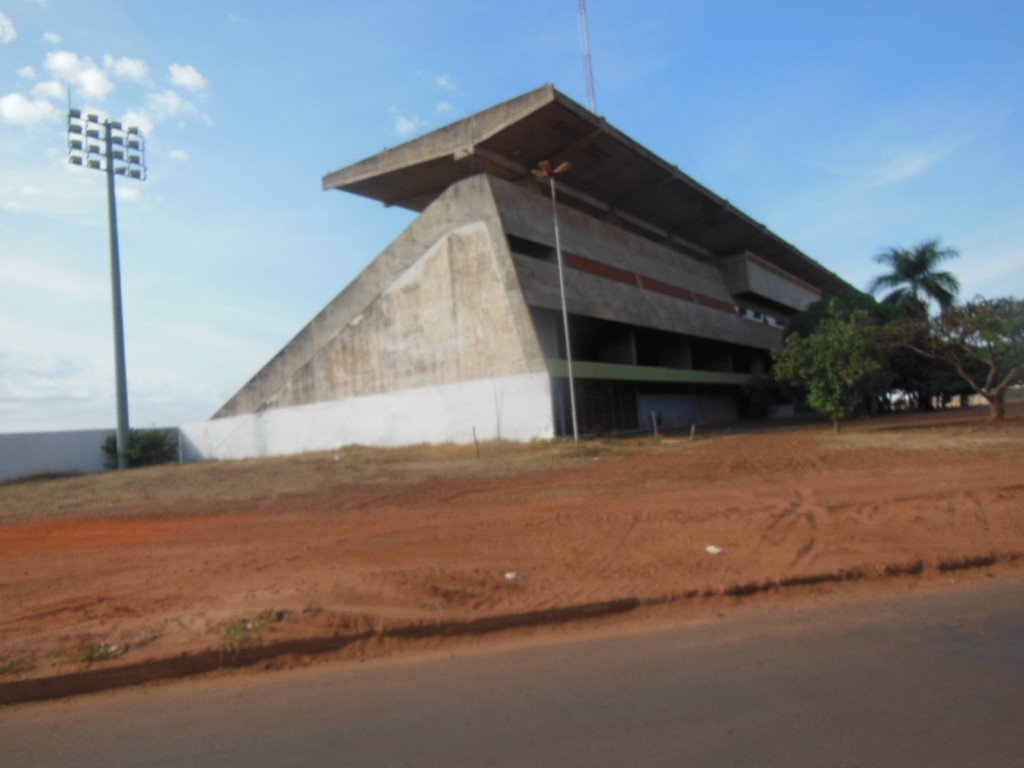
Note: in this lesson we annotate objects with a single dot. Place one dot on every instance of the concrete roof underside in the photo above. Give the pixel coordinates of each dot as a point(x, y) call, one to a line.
point(612, 177)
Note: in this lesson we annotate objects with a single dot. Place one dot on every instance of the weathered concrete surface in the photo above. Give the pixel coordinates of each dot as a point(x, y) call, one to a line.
point(633, 258)
point(441, 304)
point(414, 174)
point(445, 319)
point(746, 273)
point(449, 302)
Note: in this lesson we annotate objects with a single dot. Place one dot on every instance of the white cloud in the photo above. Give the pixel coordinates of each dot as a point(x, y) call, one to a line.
point(52, 38)
point(51, 89)
point(15, 108)
point(42, 380)
point(168, 104)
point(8, 34)
point(405, 126)
point(64, 63)
point(94, 83)
point(161, 106)
point(27, 73)
point(132, 69)
point(187, 76)
point(126, 194)
point(54, 280)
point(906, 166)
point(443, 106)
point(180, 154)
point(445, 82)
point(81, 72)
point(138, 119)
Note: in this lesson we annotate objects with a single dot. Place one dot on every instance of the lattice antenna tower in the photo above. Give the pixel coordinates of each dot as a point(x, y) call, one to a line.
point(588, 69)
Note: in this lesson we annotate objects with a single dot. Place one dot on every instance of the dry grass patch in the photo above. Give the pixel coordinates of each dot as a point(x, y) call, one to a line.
point(209, 487)
point(254, 482)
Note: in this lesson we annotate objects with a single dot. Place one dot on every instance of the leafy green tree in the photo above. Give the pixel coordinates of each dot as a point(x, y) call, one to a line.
point(903, 368)
point(837, 363)
point(914, 277)
point(145, 448)
point(983, 340)
point(842, 304)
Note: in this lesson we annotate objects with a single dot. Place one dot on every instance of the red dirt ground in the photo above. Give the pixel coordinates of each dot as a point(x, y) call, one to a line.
point(157, 563)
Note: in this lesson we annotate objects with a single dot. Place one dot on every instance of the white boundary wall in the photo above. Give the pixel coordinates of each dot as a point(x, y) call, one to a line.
point(516, 408)
point(23, 454)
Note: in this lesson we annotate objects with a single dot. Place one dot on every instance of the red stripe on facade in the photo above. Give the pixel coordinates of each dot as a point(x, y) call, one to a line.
point(600, 269)
point(583, 264)
point(650, 284)
point(711, 301)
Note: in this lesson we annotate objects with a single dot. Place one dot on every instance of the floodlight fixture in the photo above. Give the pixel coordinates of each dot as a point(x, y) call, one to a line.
point(103, 157)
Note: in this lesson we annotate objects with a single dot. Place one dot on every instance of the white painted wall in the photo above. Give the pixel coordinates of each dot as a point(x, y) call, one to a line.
point(516, 408)
point(24, 454)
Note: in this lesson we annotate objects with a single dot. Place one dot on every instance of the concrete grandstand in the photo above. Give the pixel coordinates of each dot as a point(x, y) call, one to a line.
point(454, 332)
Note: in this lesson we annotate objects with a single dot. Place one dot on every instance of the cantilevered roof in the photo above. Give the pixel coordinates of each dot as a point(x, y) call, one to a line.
point(612, 177)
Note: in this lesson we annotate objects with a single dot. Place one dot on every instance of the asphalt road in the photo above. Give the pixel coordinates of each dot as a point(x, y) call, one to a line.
point(910, 680)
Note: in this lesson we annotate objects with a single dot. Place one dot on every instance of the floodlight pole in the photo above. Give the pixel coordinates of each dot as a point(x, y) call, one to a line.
point(120, 372)
point(128, 161)
point(545, 171)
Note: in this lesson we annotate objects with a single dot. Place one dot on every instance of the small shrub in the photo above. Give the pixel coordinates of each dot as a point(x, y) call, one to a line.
point(244, 631)
point(12, 665)
point(145, 448)
point(90, 652)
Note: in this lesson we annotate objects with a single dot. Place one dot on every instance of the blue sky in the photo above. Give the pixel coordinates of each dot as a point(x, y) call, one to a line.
point(845, 127)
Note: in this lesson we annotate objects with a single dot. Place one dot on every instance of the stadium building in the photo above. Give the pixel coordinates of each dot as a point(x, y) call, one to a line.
point(674, 298)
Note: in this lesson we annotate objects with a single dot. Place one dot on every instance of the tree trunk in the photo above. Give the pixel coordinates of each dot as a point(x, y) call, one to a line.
point(835, 425)
point(996, 408)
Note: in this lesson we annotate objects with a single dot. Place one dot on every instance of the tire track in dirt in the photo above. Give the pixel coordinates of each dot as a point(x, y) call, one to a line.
point(796, 523)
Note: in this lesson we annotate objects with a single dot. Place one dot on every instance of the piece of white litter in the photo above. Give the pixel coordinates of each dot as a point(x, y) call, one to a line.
point(511, 575)
point(713, 550)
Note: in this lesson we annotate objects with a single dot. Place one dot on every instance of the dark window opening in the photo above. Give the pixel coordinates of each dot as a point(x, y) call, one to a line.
point(533, 249)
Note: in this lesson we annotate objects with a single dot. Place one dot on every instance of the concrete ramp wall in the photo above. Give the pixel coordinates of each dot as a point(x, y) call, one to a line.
point(516, 408)
point(440, 305)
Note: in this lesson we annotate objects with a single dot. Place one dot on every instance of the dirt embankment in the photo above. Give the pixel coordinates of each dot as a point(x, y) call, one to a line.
point(218, 561)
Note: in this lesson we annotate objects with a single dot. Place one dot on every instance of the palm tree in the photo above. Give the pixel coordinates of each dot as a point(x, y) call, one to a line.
point(914, 279)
